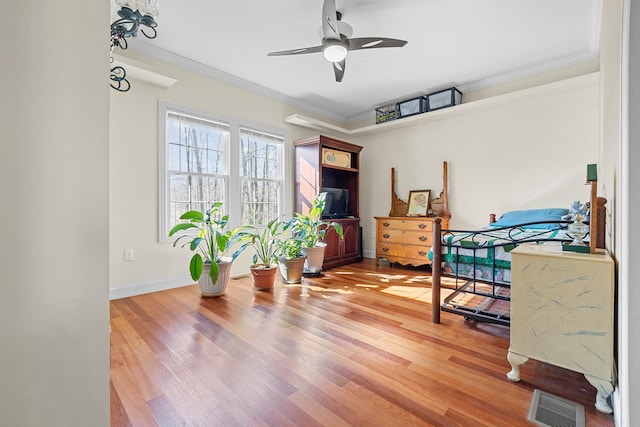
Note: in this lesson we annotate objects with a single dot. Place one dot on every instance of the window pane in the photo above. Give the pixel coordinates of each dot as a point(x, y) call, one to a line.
point(179, 188)
point(198, 149)
point(261, 202)
point(261, 169)
point(196, 161)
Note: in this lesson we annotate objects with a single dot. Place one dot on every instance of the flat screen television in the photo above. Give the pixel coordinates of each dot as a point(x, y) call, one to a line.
point(336, 202)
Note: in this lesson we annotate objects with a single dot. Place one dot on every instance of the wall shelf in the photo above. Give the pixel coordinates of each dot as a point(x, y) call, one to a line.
point(136, 71)
point(567, 84)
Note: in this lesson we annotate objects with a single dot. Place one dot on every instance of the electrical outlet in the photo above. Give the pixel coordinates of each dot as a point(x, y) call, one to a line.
point(128, 254)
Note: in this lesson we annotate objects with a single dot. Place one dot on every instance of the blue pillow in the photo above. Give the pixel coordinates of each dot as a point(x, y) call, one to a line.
point(512, 218)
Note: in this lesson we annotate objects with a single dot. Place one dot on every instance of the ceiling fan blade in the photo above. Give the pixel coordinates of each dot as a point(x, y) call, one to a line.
point(374, 42)
point(300, 51)
point(330, 20)
point(338, 69)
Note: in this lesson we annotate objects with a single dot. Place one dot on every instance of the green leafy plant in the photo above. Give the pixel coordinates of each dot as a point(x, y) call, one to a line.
point(291, 248)
point(265, 241)
point(211, 242)
point(311, 228)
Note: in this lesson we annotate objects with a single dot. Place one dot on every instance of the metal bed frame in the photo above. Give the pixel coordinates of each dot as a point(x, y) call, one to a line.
point(476, 298)
point(483, 300)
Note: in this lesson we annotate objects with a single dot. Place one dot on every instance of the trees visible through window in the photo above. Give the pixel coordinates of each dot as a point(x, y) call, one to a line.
point(204, 159)
point(260, 176)
point(198, 166)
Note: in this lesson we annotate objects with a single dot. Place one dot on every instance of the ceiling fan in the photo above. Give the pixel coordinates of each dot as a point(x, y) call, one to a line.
point(336, 41)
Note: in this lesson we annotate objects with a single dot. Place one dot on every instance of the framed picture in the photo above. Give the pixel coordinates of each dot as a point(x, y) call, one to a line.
point(419, 202)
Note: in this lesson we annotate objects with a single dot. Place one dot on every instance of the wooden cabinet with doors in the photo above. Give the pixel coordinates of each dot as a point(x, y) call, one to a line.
point(328, 164)
point(346, 251)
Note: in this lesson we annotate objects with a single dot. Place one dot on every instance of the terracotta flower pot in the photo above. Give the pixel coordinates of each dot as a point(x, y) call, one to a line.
point(263, 277)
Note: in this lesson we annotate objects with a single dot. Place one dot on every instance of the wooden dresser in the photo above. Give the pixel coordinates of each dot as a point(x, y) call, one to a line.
point(405, 240)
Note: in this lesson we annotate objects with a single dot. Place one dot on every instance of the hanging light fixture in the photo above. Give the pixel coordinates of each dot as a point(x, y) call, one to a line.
point(130, 16)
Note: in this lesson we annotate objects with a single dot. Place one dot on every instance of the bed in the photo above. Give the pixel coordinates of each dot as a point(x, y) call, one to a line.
point(475, 265)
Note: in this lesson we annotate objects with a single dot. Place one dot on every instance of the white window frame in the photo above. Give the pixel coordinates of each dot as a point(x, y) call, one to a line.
point(280, 159)
point(232, 190)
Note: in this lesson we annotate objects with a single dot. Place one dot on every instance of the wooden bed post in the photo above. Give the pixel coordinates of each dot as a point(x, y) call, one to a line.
point(592, 178)
point(435, 271)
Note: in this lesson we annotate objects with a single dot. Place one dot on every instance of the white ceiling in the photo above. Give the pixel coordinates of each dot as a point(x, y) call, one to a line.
point(464, 43)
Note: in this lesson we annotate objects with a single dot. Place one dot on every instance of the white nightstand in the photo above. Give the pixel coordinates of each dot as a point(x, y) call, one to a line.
point(562, 313)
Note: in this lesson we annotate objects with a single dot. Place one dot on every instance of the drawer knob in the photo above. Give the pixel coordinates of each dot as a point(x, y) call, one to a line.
point(422, 238)
point(422, 226)
point(386, 235)
point(422, 253)
point(386, 224)
point(385, 249)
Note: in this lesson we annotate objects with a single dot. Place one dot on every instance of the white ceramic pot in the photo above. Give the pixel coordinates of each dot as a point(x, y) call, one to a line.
point(291, 269)
point(210, 289)
point(315, 258)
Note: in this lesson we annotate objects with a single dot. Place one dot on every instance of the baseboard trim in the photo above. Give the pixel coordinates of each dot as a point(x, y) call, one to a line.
point(132, 289)
point(617, 407)
point(368, 254)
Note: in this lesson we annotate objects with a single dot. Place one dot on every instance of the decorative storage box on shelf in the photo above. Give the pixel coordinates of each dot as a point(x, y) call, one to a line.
point(386, 113)
point(443, 98)
point(336, 158)
point(412, 106)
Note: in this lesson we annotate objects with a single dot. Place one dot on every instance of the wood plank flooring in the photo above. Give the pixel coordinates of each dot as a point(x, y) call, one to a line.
point(354, 347)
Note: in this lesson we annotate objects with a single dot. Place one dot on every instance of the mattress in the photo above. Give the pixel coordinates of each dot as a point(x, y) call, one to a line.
point(483, 255)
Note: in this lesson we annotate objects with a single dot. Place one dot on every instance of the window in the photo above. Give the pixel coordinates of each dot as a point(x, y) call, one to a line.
point(260, 176)
point(197, 167)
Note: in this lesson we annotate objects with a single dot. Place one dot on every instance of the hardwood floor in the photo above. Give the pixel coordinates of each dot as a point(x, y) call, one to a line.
point(354, 347)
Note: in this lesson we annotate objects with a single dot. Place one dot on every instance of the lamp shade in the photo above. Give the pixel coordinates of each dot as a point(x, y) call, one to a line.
point(334, 50)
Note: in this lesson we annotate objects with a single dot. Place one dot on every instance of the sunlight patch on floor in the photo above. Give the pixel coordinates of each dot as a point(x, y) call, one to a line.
point(386, 278)
point(419, 279)
point(417, 293)
point(306, 288)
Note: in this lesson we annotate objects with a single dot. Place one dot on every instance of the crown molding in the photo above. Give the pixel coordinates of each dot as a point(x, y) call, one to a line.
point(189, 64)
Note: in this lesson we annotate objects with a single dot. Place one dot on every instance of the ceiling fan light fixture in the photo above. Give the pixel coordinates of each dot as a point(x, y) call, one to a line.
point(334, 50)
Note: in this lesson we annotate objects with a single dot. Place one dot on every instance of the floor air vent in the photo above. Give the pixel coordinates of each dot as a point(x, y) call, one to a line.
point(548, 410)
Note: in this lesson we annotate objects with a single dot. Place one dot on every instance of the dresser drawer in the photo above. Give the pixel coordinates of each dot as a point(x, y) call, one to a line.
point(423, 238)
point(408, 224)
point(403, 251)
point(405, 240)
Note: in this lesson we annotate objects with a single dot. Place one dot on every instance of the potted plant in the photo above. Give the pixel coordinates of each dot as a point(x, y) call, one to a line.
point(211, 244)
point(266, 245)
point(311, 229)
point(291, 260)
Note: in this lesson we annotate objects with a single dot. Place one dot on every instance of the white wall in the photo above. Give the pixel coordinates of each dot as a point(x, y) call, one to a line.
point(627, 231)
point(133, 155)
point(524, 150)
point(629, 294)
point(54, 310)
